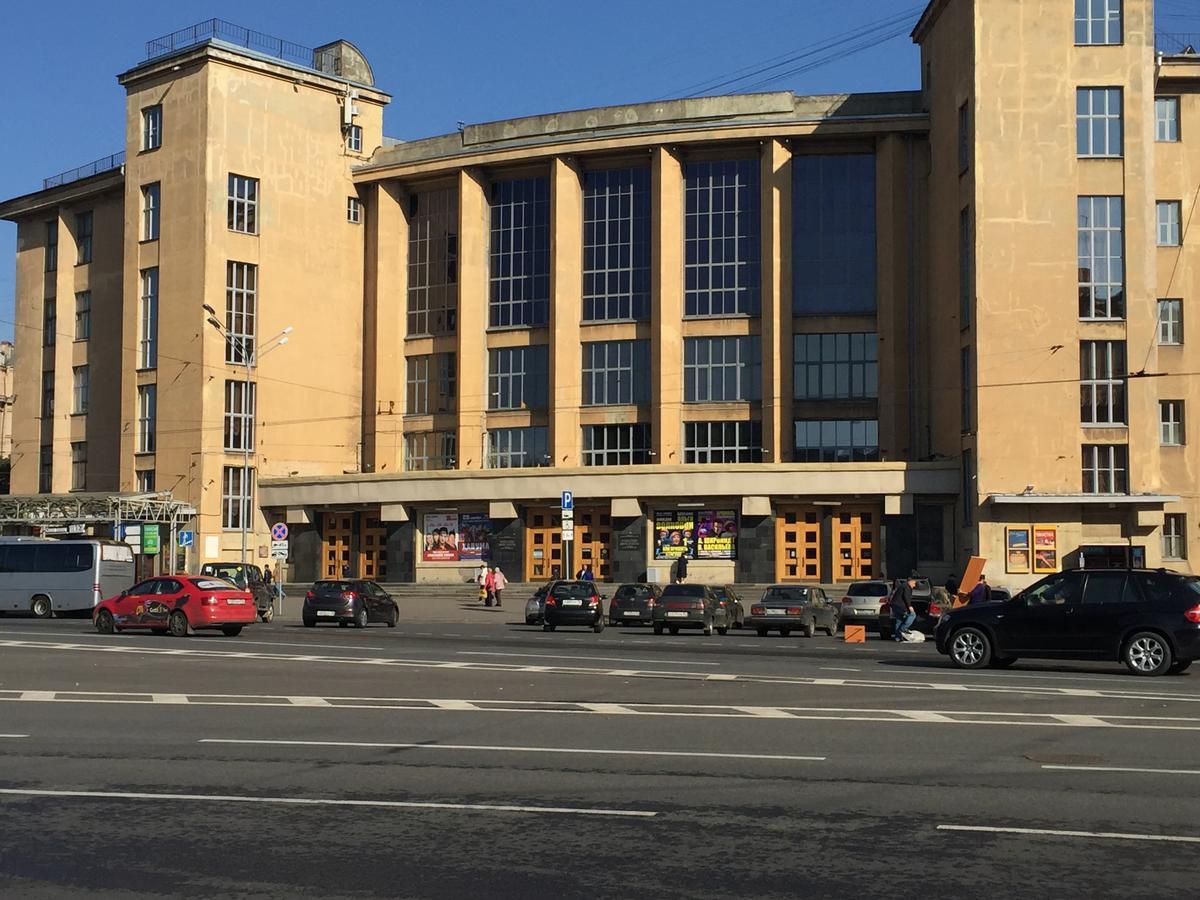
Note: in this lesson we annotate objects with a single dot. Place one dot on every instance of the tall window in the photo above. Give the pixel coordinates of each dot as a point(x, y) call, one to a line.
point(517, 448)
point(1102, 382)
point(1105, 469)
point(616, 245)
point(837, 440)
point(841, 366)
point(719, 369)
point(151, 198)
point(1097, 22)
point(239, 415)
point(52, 246)
point(968, 486)
point(431, 384)
point(148, 320)
point(518, 378)
point(1101, 258)
point(47, 394)
point(1168, 223)
point(241, 204)
point(236, 497)
point(721, 271)
point(241, 311)
point(145, 481)
point(1170, 322)
point(722, 442)
point(147, 425)
point(519, 252)
point(1170, 423)
point(49, 322)
point(833, 234)
point(967, 376)
point(353, 210)
point(964, 136)
point(83, 236)
point(1098, 130)
point(429, 450)
point(78, 465)
point(616, 373)
point(151, 127)
point(432, 262)
point(1166, 119)
point(1174, 536)
point(46, 469)
point(83, 315)
point(931, 530)
point(966, 267)
point(616, 445)
point(354, 141)
point(80, 389)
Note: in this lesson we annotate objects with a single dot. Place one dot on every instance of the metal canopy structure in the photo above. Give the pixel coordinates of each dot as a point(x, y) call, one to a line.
point(64, 509)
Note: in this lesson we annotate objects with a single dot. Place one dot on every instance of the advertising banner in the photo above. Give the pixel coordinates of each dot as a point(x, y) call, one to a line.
point(441, 537)
point(674, 534)
point(1045, 549)
point(1017, 547)
point(474, 533)
point(716, 534)
point(707, 534)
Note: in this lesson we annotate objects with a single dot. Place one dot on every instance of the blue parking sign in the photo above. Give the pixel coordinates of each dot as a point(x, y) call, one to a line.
point(568, 500)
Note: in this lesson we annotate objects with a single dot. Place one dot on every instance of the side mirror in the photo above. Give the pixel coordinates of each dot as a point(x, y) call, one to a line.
point(124, 593)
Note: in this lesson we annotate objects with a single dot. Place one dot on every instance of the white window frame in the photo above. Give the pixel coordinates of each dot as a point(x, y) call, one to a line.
point(624, 444)
point(1102, 384)
point(1105, 244)
point(152, 127)
point(145, 481)
point(1169, 216)
point(722, 442)
point(354, 139)
point(426, 451)
point(83, 315)
point(79, 465)
point(148, 320)
point(1171, 429)
point(80, 389)
point(47, 406)
point(518, 448)
point(715, 366)
point(1105, 15)
point(241, 311)
point(147, 424)
point(85, 230)
point(1166, 119)
point(241, 402)
point(237, 498)
point(1170, 322)
point(1174, 536)
point(353, 210)
point(241, 204)
point(1095, 116)
point(1110, 461)
point(151, 207)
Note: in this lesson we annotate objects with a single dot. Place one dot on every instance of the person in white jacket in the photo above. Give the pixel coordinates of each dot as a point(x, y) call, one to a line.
point(499, 583)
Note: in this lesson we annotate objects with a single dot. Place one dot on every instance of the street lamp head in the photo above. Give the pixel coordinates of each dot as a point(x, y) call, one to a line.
point(208, 309)
point(288, 330)
point(282, 341)
point(212, 320)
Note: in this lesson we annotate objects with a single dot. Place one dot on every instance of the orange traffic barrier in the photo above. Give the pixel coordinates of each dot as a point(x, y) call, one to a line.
point(856, 634)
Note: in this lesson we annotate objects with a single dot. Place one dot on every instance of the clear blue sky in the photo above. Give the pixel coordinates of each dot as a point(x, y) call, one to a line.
point(470, 60)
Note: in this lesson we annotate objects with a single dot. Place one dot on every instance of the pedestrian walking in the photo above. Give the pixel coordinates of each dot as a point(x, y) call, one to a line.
point(267, 577)
point(489, 586)
point(981, 593)
point(481, 582)
point(903, 614)
point(499, 583)
point(681, 569)
point(586, 574)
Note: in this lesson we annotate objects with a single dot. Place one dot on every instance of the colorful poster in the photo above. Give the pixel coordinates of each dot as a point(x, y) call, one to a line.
point(441, 537)
point(674, 534)
point(474, 536)
point(1017, 551)
point(1045, 549)
point(716, 534)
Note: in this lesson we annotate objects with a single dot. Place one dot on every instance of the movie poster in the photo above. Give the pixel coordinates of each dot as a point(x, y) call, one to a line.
point(441, 537)
point(474, 536)
point(716, 534)
point(674, 534)
point(1045, 549)
point(1017, 560)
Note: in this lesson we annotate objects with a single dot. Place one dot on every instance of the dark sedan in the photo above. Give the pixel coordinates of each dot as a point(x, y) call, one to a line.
point(348, 601)
point(1147, 619)
point(633, 603)
point(574, 603)
point(690, 606)
point(729, 598)
point(788, 607)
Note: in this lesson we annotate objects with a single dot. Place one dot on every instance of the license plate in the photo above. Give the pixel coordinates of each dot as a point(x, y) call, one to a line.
point(776, 612)
point(677, 615)
point(633, 614)
point(325, 612)
point(236, 601)
point(572, 603)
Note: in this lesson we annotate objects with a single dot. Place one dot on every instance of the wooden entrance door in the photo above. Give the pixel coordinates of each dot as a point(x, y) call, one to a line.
point(372, 547)
point(593, 542)
point(856, 543)
point(798, 544)
point(337, 534)
point(543, 545)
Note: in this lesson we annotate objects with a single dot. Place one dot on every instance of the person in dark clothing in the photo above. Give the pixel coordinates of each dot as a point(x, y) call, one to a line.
point(903, 614)
point(681, 570)
point(952, 586)
point(981, 593)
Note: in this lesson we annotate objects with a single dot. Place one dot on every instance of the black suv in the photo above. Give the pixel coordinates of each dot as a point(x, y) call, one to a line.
point(573, 603)
point(1148, 619)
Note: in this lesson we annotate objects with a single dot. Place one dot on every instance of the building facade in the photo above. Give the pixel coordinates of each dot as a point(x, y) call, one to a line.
point(794, 338)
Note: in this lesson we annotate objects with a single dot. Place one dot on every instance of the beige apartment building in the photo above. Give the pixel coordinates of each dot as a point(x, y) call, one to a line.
point(792, 337)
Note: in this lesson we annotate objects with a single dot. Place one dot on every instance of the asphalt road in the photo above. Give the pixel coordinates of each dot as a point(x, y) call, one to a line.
point(480, 758)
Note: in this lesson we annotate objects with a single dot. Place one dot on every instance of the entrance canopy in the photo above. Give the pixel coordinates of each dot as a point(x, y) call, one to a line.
point(64, 509)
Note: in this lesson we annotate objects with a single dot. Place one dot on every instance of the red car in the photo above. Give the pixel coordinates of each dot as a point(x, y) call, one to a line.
point(177, 604)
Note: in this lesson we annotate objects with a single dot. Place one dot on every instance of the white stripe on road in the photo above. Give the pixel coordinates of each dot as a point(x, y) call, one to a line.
point(137, 635)
point(1125, 769)
point(14, 735)
point(578, 658)
point(838, 669)
point(368, 745)
point(317, 801)
point(1056, 832)
point(170, 698)
point(308, 701)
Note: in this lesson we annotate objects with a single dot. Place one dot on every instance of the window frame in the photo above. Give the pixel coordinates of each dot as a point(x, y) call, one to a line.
point(241, 408)
point(81, 381)
point(721, 287)
point(964, 137)
point(1103, 383)
point(354, 210)
point(147, 421)
point(47, 396)
point(83, 315)
point(533, 450)
point(1105, 461)
point(237, 497)
point(1173, 228)
point(850, 367)
point(624, 444)
point(432, 263)
point(241, 312)
point(861, 443)
point(1088, 120)
point(615, 373)
point(1174, 536)
point(241, 204)
point(144, 481)
point(152, 122)
point(1170, 325)
point(151, 211)
point(49, 321)
point(518, 378)
point(708, 380)
point(45, 469)
point(148, 319)
point(354, 138)
point(78, 465)
point(443, 443)
point(1172, 427)
point(1108, 234)
point(1166, 126)
point(85, 224)
point(616, 244)
point(1085, 17)
point(519, 252)
point(51, 262)
point(745, 446)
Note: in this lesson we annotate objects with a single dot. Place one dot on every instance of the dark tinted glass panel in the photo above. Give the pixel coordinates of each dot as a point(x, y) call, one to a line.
point(683, 590)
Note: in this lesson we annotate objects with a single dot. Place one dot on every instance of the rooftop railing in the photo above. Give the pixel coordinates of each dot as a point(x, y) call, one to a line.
point(106, 164)
point(220, 30)
point(1174, 44)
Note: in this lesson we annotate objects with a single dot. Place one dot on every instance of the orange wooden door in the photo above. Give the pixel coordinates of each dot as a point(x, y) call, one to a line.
point(798, 544)
point(856, 543)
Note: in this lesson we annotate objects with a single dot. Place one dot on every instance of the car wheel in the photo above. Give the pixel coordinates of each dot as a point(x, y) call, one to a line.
point(361, 618)
point(178, 624)
point(393, 616)
point(1003, 662)
point(231, 630)
point(1179, 666)
point(832, 630)
point(546, 626)
point(310, 623)
point(268, 614)
point(761, 632)
point(41, 607)
point(810, 628)
point(970, 648)
point(723, 631)
point(658, 629)
point(599, 626)
point(1147, 653)
point(105, 623)
point(784, 632)
point(674, 629)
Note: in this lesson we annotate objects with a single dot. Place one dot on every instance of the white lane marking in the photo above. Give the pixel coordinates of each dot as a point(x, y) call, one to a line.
point(717, 676)
point(1079, 720)
point(38, 696)
point(1125, 769)
point(309, 701)
point(170, 698)
point(920, 715)
point(838, 669)
point(615, 709)
point(14, 736)
point(585, 751)
point(135, 636)
point(764, 712)
point(461, 705)
point(1057, 832)
point(578, 658)
point(318, 801)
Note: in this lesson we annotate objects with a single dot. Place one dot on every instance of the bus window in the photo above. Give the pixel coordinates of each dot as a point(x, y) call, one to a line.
point(19, 558)
point(116, 553)
point(63, 558)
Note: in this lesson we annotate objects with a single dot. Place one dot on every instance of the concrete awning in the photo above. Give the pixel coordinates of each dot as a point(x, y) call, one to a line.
point(1084, 499)
point(626, 508)
point(756, 506)
point(502, 509)
point(393, 512)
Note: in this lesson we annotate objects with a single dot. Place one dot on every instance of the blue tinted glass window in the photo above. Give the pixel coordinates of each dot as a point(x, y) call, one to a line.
point(519, 253)
point(833, 234)
point(722, 275)
point(616, 245)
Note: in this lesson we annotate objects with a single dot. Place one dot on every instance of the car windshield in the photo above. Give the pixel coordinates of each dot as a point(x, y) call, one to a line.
point(787, 594)
point(868, 589)
point(683, 590)
point(567, 590)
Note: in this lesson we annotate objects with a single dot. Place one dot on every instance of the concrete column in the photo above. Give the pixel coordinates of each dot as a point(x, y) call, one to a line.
point(776, 181)
point(384, 320)
point(666, 305)
point(896, 350)
point(566, 305)
point(472, 317)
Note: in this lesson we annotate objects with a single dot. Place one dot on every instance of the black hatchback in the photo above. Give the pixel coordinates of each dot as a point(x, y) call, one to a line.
point(1147, 619)
point(633, 603)
point(573, 603)
point(348, 602)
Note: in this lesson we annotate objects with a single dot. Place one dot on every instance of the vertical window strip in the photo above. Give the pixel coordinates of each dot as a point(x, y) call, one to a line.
point(147, 439)
point(1102, 377)
point(433, 262)
point(1170, 322)
point(519, 253)
point(150, 211)
point(1166, 119)
point(616, 245)
point(242, 204)
point(1169, 215)
point(236, 497)
point(1101, 258)
point(1170, 419)
point(148, 320)
point(722, 275)
point(240, 406)
point(83, 315)
point(241, 311)
point(1098, 122)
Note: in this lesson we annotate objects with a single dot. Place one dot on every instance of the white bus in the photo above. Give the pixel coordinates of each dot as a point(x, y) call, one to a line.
point(45, 577)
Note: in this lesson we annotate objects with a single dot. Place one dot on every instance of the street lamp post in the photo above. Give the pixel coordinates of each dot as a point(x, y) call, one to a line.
point(247, 353)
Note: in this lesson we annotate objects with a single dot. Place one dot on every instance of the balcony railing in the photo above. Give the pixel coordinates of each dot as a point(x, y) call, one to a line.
point(107, 164)
point(1174, 44)
point(220, 30)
